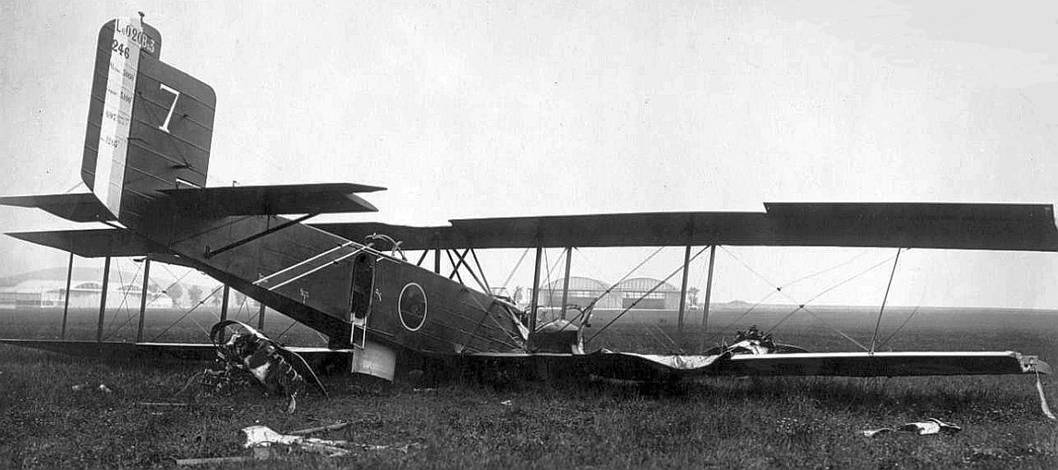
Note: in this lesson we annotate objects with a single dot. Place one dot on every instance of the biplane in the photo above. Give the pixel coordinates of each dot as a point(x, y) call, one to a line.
point(146, 158)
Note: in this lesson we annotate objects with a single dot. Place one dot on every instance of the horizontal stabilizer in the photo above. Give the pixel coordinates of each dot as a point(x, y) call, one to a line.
point(270, 200)
point(93, 243)
point(1025, 227)
point(83, 207)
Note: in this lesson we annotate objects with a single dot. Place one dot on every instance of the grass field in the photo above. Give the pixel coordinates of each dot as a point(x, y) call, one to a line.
point(729, 423)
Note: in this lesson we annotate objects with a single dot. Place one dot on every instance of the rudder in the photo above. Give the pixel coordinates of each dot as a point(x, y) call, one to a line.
point(149, 125)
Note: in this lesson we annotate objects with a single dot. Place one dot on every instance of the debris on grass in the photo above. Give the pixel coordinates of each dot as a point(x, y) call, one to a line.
point(506, 403)
point(213, 460)
point(875, 432)
point(329, 427)
point(262, 437)
point(932, 426)
point(249, 357)
point(85, 386)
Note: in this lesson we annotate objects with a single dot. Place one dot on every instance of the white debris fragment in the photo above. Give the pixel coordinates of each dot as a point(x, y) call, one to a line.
point(263, 436)
point(506, 403)
point(103, 388)
point(873, 432)
point(932, 426)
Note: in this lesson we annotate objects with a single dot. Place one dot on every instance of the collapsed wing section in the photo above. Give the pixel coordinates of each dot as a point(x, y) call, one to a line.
point(885, 364)
point(654, 367)
point(1026, 227)
point(624, 366)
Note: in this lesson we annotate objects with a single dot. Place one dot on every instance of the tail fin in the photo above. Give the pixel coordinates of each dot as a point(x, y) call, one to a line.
point(149, 124)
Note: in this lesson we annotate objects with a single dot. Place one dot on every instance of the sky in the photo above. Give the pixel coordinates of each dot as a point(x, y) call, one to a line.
point(486, 109)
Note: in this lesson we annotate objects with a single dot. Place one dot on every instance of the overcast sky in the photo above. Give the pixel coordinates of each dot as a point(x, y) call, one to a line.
point(530, 108)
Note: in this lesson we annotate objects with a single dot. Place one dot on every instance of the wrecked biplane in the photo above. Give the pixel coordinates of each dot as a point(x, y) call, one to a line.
point(146, 158)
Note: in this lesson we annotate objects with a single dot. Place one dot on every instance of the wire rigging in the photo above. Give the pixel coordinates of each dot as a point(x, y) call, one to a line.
point(802, 305)
point(192, 309)
point(129, 316)
point(651, 291)
point(587, 310)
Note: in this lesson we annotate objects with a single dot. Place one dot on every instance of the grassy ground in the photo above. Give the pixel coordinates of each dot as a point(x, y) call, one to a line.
point(731, 423)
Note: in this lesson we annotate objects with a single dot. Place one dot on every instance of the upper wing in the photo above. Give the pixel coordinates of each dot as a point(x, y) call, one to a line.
point(1029, 227)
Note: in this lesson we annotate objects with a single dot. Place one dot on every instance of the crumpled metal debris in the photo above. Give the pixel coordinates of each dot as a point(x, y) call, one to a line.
point(933, 426)
point(268, 363)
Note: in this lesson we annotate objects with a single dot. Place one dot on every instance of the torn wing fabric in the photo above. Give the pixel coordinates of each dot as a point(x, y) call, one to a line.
point(679, 362)
point(647, 367)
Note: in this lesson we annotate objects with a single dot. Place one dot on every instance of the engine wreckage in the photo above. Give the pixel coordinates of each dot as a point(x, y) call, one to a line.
point(248, 356)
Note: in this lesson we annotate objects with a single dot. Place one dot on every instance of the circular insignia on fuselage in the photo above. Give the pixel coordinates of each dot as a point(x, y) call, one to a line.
point(411, 306)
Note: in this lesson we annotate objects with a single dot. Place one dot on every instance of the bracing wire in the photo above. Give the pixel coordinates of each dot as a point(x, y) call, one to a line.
point(75, 185)
point(606, 292)
point(295, 322)
point(484, 280)
point(129, 316)
point(898, 328)
point(826, 270)
point(124, 304)
point(802, 306)
point(905, 322)
point(192, 309)
point(515, 269)
point(846, 281)
point(746, 312)
point(645, 294)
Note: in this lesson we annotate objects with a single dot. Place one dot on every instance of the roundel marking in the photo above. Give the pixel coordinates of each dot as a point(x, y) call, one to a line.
point(411, 306)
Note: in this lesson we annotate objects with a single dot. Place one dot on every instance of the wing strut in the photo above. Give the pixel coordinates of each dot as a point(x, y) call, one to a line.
point(708, 295)
point(211, 253)
point(885, 298)
point(66, 300)
point(536, 292)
